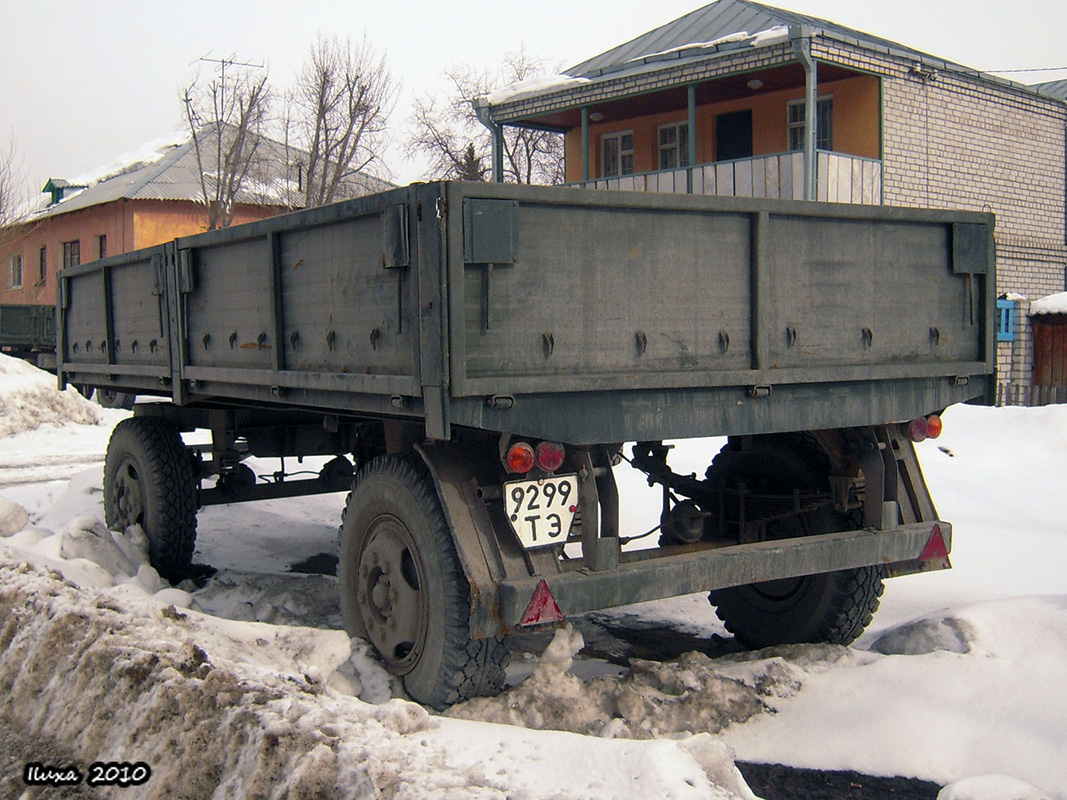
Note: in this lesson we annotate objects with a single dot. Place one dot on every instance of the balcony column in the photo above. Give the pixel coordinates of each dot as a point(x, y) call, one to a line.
point(691, 92)
point(585, 144)
point(802, 46)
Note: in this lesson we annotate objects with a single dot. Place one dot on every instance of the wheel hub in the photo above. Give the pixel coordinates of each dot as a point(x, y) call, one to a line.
point(129, 494)
point(392, 603)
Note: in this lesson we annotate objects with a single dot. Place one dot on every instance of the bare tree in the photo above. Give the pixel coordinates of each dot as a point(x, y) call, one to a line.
point(337, 116)
point(460, 147)
point(11, 184)
point(12, 195)
point(227, 119)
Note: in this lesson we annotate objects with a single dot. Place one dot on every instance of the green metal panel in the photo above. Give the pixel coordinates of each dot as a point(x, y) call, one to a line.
point(490, 231)
point(970, 252)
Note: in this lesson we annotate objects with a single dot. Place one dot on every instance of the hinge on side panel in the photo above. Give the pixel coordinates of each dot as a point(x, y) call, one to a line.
point(441, 208)
point(762, 390)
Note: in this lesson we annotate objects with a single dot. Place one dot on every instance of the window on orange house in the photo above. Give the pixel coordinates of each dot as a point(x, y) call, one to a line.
point(42, 266)
point(72, 254)
point(16, 271)
point(617, 153)
point(674, 145)
point(824, 123)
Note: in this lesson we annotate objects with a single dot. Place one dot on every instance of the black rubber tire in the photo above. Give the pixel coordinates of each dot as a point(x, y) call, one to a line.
point(149, 480)
point(393, 526)
point(109, 398)
point(831, 607)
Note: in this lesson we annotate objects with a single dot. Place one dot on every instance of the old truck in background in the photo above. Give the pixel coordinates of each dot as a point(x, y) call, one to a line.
point(29, 332)
point(473, 357)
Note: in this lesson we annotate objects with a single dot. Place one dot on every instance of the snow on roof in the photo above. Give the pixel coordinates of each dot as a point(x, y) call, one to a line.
point(166, 169)
point(147, 153)
point(769, 36)
point(1053, 304)
point(535, 84)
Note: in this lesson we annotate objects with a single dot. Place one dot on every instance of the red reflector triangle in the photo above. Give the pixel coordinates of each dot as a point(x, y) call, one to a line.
point(935, 548)
point(542, 607)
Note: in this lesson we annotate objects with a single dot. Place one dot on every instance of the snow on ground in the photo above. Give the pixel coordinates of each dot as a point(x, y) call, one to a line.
point(248, 686)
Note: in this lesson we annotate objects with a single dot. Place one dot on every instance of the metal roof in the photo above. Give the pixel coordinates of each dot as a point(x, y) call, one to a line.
point(715, 21)
point(172, 173)
point(1052, 88)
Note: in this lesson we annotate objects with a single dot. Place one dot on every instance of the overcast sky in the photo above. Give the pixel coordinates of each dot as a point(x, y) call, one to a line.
point(84, 81)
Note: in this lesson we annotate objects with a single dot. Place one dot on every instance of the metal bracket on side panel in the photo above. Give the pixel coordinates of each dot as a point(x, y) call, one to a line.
point(396, 252)
point(490, 239)
point(186, 272)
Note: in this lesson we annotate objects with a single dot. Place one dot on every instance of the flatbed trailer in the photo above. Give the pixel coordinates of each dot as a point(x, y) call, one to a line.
point(474, 356)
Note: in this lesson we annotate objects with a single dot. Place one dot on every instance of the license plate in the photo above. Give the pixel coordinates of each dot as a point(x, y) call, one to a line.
point(541, 511)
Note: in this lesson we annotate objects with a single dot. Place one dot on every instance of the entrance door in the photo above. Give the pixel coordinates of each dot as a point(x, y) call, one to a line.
point(733, 135)
point(1050, 359)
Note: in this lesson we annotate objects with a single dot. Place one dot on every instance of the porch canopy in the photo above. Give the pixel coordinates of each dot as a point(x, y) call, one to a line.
point(716, 70)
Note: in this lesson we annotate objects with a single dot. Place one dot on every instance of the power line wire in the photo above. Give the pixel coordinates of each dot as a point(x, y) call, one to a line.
point(1035, 69)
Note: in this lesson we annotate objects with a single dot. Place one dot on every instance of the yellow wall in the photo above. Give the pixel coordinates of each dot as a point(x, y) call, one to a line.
point(857, 127)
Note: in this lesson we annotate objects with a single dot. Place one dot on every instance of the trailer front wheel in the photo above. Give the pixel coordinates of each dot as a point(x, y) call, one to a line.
point(149, 481)
point(403, 589)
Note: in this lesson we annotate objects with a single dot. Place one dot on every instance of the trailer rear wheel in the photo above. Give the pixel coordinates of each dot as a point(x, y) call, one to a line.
point(403, 589)
point(110, 398)
point(149, 481)
point(832, 607)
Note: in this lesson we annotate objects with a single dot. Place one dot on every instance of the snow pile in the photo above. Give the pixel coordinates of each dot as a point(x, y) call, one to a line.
point(117, 680)
point(13, 517)
point(227, 709)
point(961, 693)
point(991, 787)
point(117, 666)
point(655, 699)
point(1053, 304)
point(29, 398)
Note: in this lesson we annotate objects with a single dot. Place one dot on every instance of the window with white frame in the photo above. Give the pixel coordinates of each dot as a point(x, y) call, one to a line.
point(674, 145)
point(16, 271)
point(824, 123)
point(617, 153)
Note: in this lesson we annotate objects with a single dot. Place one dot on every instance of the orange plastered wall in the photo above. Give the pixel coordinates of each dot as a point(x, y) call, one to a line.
point(157, 222)
point(857, 126)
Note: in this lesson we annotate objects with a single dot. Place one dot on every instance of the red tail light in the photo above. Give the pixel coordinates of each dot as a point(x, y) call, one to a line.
point(520, 458)
point(933, 426)
point(924, 428)
point(549, 456)
point(918, 430)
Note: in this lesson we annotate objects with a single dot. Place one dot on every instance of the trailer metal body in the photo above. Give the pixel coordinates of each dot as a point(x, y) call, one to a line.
point(450, 319)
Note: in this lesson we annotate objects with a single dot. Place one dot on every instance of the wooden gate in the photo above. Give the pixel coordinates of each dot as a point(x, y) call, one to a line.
point(1050, 359)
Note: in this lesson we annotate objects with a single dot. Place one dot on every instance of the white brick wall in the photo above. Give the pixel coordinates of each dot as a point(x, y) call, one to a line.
point(960, 142)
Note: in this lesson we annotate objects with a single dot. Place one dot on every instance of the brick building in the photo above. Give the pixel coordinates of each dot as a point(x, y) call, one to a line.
point(145, 200)
point(716, 102)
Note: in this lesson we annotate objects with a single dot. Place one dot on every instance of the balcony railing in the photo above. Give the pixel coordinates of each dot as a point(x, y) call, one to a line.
point(840, 178)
